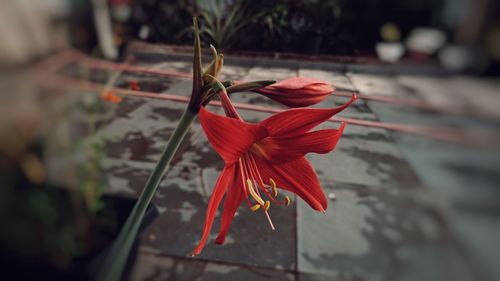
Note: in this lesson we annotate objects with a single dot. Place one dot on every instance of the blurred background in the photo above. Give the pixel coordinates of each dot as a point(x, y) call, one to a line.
point(92, 89)
point(462, 35)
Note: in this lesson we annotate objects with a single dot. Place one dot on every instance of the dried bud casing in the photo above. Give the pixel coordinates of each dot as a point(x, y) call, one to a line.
point(249, 86)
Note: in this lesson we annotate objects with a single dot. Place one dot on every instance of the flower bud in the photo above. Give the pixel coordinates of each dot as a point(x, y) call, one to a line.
point(297, 91)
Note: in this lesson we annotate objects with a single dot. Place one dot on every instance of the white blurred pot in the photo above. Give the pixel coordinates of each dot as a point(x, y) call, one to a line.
point(389, 51)
point(425, 40)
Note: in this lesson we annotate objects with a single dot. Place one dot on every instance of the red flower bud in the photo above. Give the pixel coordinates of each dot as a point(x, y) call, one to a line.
point(297, 91)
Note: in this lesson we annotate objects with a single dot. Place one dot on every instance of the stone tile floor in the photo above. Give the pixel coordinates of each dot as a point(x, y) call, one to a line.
point(406, 207)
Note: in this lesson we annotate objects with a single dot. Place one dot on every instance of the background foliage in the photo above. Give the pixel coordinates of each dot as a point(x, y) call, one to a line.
point(300, 26)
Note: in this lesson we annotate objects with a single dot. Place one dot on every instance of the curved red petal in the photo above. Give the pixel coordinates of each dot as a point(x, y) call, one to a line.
point(226, 177)
point(296, 176)
point(228, 136)
point(281, 149)
point(234, 196)
point(300, 120)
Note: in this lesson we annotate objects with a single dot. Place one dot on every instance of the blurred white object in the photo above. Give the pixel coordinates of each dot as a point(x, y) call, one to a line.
point(102, 21)
point(27, 29)
point(425, 40)
point(121, 12)
point(389, 51)
point(144, 32)
point(332, 196)
point(454, 58)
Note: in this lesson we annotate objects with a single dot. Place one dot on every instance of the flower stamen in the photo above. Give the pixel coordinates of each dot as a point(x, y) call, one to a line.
point(270, 221)
point(253, 193)
point(243, 183)
point(267, 205)
point(255, 207)
point(253, 184)
point(273, 186)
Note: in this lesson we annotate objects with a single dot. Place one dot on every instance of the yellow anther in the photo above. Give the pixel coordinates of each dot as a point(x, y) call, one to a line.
point(255, 207)
point(273, 186)
point(267, 205)
point(287, 200)
point(253, 193)
point(272, 182)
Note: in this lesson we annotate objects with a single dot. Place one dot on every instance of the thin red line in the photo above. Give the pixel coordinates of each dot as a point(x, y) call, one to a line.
point(52, 64)
point(94, 63)
point(397, 101)
point(443, 134)
point(102, 64)
point(74, 56)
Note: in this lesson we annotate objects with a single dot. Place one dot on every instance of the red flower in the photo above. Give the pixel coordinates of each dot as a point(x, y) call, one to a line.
point(297, 91)
point(259, 158)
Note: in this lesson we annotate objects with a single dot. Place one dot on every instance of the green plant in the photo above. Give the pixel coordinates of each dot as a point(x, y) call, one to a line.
point(51, 178)
point(221, 22)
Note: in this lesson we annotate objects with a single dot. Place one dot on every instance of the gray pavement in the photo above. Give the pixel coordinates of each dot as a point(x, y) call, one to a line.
point(406, 207)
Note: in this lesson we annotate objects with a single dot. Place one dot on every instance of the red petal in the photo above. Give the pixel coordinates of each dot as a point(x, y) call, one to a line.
point(300, 120)
point(233, 199)
point(297, 176)
point(220, 187)
point(293, 99)
point(281, 149)
point(319, 89)
point(228, 136)
point(295, 83)
point(297, 91)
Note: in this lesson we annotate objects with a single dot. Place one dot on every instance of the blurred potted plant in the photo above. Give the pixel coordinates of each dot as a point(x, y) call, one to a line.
point(390, 49)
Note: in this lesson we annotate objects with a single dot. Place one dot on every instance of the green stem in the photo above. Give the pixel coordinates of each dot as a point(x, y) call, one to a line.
point(112, 267)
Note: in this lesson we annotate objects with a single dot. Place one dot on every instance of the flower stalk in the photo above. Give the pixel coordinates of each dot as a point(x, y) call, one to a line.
point(112, 268)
